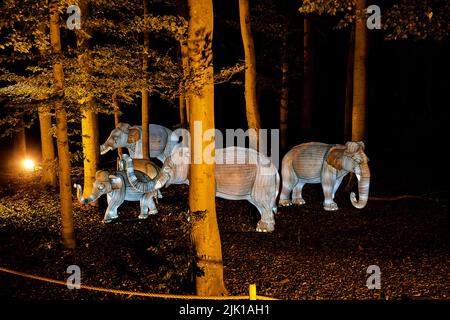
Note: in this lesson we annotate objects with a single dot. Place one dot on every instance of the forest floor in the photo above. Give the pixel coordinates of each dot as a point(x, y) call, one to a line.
point(312, 254)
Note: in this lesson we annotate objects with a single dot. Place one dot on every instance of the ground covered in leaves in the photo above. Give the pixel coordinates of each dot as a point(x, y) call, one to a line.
point(312, 254)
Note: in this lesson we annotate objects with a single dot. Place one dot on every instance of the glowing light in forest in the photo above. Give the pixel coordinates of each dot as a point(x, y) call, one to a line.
point(28, 164)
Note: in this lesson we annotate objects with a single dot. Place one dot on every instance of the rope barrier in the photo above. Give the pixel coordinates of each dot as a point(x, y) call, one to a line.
point(251, 296)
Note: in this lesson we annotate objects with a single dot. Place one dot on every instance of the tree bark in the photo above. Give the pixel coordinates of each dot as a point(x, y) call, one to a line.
point(205, 231)
point(48, 149)
point(20, 141)
point(65, 184)
point(359, 114)
point(184, 99)
point(89, 121)
point(349, 87)
point(145, 94)
point(308, 78)
point(284, 96)
point(45, 123)
point(251, 104)
point(116, 106)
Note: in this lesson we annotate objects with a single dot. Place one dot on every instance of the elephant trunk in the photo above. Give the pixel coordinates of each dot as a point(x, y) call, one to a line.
point(104, 148)
point(93, 197)
point(141, 186)
point(161, 180)
point(363, 187)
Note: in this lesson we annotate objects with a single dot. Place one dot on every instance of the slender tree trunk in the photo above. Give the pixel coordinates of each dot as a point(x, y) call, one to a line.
point(65, 184)
point(48, 149)
point(145, 94)
point(359, 115)
point(116, 106)
point(20, 142)
point(45, 123)
point(284, 97)
point(308, 78)
point(89, 121)
point(349, 87)
point(251, 104)
point(184, 101)
point(205, 231)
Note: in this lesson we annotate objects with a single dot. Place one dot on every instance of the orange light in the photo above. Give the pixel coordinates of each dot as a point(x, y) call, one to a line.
point(28, 164)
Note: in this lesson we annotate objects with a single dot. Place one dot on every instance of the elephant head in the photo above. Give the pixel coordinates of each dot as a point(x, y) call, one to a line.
point(104, 183)
point(174, 171)
point(123, 136)
point(351, 158)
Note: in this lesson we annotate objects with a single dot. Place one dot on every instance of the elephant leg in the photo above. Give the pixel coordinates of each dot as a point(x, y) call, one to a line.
point(297, 194)
point(147, 206)
point(289, 180)
point(328, 184)
point(267, 221)
point(115, 199)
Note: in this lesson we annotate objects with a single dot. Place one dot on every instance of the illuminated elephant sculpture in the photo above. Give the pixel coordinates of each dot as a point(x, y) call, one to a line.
point(130, 137)
point(118, 189)
point(240, 174)
point(316, 162)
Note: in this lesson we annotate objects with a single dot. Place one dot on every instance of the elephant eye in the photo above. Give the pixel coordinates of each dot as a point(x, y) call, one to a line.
point(101, 186)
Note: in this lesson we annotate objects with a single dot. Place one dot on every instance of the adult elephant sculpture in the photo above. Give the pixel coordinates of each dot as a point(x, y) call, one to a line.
point(161, 141)
point(316, 162)
point(240, 173)
point(118, 189)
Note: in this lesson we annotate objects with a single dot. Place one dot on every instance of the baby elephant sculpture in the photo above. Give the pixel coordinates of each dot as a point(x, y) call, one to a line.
point(130, 137)
point(118, 189)
point(316, 162)
point(240, 173)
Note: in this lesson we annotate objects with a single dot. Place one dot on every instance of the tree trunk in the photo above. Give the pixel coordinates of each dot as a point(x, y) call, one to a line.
point(184, 100)
point(65, 184)
point(251, 105)
point(89, 121)
point(20, 142)
point(45, 123)
point(48, 149)
point(349, 87)
point(308, 79)
point(145, 94)
point(359, 114)
point(205, 231)
point(284, 96)
point(116, 106)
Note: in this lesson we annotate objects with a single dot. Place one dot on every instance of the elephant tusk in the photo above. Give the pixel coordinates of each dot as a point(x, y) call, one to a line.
point(358, 176)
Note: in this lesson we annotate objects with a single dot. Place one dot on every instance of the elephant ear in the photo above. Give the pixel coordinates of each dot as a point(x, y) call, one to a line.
point(123, 126)
point(335, 157)
point(134, 135)
point(116, 182)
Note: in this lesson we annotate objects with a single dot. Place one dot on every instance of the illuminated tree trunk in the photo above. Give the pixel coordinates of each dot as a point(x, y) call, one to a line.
point(184, 101)
point(308, 78)
point(65, 184)
point(253, 118)
point(116, 106)
point(48, 149)
point(359, 115)
point(284, 99)
point(20, 142)
point(89, 121)
point(145, 95)
point(349, 88)
point(205, 231)
point(45, 123)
